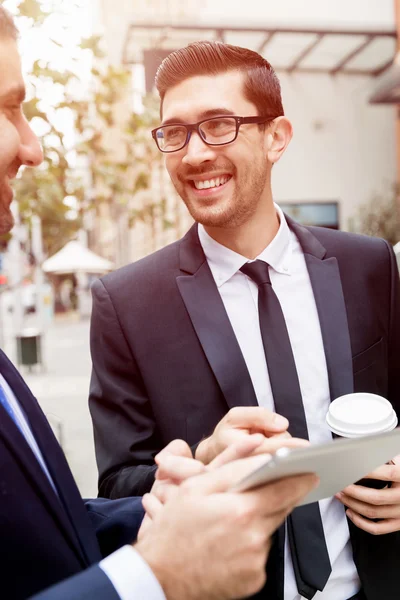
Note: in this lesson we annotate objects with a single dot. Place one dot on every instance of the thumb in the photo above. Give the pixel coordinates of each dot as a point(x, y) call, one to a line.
point(244, 447)
point(257, 419)
point(177, 448)
point(223, 478)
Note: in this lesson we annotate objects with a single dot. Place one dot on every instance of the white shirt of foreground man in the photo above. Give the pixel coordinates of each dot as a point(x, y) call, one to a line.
point(291, 283)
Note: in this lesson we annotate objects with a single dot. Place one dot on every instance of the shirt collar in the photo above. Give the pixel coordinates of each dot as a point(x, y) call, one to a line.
point(224, 262)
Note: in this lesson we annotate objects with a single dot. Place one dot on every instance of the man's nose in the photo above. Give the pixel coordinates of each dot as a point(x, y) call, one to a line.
point(30, 150)
point(197, 151)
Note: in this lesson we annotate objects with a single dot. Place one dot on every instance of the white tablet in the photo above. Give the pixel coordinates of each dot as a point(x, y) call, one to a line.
point(337, 463)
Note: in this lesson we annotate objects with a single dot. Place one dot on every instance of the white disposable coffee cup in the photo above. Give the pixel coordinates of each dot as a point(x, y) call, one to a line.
point(360, 414)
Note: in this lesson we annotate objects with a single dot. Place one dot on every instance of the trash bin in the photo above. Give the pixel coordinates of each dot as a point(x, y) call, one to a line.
point(29, 350)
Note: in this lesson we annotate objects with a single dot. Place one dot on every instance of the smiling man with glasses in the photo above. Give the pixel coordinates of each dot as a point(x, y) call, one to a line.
point(214, 140)
point(56, 546)
point(248, 312)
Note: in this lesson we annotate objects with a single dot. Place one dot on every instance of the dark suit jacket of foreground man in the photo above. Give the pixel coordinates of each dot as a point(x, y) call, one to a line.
point(48, 538)
point(166, 363)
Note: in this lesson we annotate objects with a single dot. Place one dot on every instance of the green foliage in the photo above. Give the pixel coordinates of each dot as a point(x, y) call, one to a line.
point(33, 10)
point(95, 115)
point(380, 217)
point(94, 45)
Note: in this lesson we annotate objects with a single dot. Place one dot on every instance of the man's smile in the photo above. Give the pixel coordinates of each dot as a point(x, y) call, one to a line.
point(215, 182)
point(210, 187)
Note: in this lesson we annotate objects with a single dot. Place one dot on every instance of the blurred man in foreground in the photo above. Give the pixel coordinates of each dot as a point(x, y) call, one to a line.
point(52, 543)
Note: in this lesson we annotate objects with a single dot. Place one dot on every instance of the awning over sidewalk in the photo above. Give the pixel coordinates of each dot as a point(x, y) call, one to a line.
point(76, 258)
point(354, 51)
point(387, 90)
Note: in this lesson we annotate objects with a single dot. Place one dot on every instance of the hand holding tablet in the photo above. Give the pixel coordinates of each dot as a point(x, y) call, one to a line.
point(366, 420)
point(337, 464)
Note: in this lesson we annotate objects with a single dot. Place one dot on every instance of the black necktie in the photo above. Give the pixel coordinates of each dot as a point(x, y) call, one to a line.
point(306, 535)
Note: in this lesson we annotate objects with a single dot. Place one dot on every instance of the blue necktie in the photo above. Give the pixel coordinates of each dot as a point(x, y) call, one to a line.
point(5, 403)
point(28, 438)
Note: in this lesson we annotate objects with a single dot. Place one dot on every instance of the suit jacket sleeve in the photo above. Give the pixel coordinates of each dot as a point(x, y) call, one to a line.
point(125, 433)
point(116, 522)
point(92, 583)
point(394, 335)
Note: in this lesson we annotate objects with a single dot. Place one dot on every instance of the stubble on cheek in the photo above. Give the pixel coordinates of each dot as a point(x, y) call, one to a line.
point(6, 217)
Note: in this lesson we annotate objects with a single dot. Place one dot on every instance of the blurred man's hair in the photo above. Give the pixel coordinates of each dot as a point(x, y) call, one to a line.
point(261, 84)
point(7, 25)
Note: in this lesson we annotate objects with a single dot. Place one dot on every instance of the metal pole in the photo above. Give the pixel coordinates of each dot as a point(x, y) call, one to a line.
point(16, 257)
point(37, 251)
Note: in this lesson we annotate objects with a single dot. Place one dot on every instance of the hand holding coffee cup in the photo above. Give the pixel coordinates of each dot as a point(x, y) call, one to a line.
point(360, 414)
point(376, 511)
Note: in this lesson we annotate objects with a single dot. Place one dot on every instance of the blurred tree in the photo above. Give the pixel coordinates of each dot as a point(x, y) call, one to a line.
point(379, 217)
point(43, 191)
point(149, 167)
point(33, 10)
point(79, 176)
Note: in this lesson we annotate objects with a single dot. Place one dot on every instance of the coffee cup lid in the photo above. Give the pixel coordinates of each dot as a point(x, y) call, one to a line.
point(356, 415)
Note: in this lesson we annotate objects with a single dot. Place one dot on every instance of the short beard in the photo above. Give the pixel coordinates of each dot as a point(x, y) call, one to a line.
point(241, 208)
point(234, 216)
point(6, 220)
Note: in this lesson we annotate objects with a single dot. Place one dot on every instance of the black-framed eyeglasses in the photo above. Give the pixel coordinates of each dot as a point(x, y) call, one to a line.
point(216, 131)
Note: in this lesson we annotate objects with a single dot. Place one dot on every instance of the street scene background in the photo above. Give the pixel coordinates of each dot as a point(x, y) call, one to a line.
point(62, 387)
point(102, 197)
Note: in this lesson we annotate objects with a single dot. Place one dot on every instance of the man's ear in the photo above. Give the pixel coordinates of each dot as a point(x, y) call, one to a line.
point(279, 134)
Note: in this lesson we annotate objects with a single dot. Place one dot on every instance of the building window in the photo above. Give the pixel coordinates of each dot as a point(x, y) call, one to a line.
point(323, 214)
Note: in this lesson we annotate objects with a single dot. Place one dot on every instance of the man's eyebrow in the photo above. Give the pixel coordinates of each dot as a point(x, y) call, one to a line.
point(16, 93)
point(206, 114)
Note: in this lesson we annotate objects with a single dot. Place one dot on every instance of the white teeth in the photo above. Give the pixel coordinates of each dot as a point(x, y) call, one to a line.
point(210, 183)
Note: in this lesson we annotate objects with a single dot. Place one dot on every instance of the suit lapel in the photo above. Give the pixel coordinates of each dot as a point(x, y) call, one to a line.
point(328, 293)
point(67, 508)
point(211, 323)
point(214, 331)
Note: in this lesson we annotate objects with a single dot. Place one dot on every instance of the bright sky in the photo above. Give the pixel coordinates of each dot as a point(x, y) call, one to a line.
point(70, 20)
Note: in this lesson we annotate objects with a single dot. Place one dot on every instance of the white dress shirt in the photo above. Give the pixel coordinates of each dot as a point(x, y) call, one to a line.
point(131, 575)
point(128, 572)
point(291, 283)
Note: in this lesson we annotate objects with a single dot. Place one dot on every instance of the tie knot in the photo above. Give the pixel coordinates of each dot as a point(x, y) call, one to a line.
point(257, 271)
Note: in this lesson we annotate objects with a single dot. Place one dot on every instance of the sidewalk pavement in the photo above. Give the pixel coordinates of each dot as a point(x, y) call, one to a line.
point(62, 391)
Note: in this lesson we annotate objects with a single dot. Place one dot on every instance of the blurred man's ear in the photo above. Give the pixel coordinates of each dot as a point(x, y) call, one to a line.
point(279, 134)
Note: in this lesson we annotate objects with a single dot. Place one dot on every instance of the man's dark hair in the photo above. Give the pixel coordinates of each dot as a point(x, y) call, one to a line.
point(7, 25)
point(261, 84)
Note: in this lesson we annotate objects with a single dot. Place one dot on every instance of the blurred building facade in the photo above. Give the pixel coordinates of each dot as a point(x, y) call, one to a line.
point(115, 232)
point(328, 57)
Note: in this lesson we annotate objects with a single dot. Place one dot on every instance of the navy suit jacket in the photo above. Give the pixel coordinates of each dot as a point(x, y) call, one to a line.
point(166, 363)
point(48, 540)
